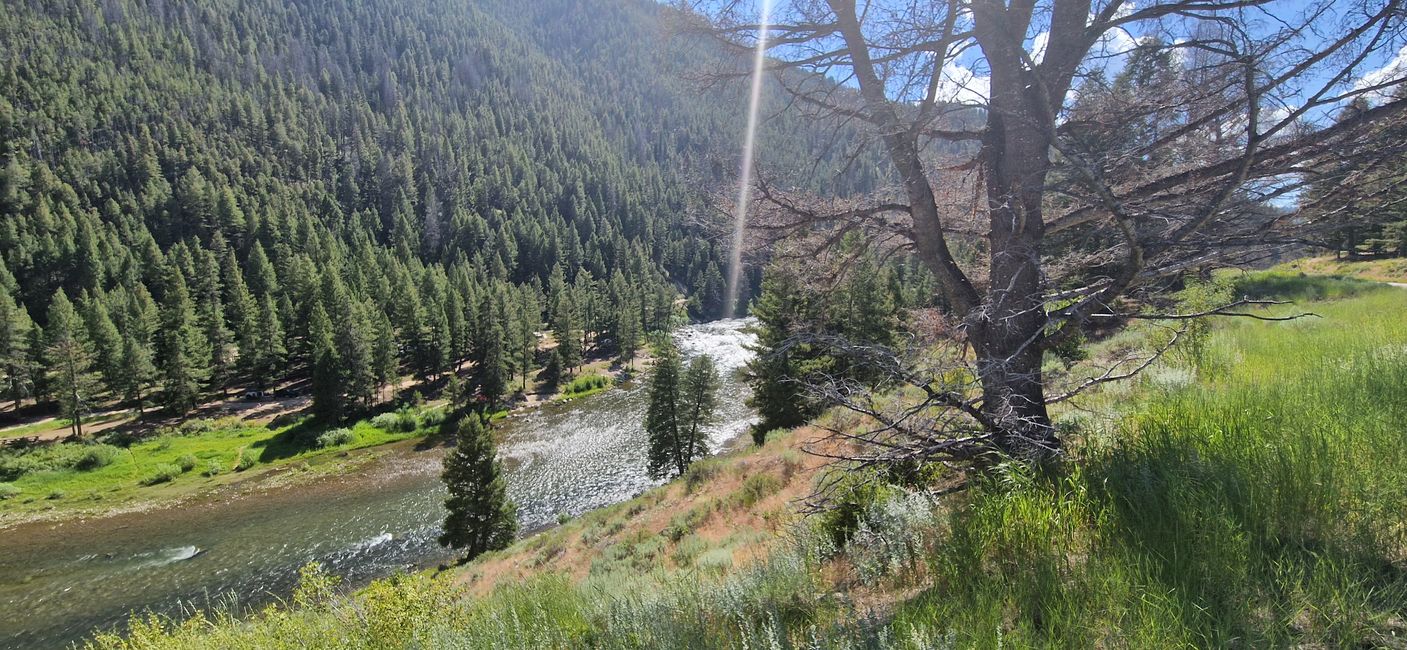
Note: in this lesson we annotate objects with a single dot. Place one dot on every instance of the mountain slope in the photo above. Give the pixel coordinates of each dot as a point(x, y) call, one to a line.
point(478, 145)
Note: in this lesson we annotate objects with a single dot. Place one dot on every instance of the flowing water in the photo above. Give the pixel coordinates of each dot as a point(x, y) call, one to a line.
point(59, 583)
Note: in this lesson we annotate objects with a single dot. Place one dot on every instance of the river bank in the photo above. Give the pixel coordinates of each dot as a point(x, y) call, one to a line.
point(103, 481)
point(241, 547)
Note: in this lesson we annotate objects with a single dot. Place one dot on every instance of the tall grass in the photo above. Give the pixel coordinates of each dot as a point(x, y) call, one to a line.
point(1260, 505)
point(1263, 506)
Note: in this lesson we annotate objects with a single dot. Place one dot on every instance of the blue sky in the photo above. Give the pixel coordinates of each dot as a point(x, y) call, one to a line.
point(964, 78)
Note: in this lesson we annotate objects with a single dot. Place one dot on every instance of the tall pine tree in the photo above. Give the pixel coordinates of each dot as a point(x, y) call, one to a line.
point(183, 352)
point(69, 357)
point(16, 372)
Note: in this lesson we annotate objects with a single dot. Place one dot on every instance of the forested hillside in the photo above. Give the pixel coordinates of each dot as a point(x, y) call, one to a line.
point(195, 196)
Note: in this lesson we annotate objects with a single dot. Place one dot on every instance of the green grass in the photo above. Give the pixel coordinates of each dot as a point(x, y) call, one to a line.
point(1391, 269)
point(1262, 506)
point(142, 470)
point(587, 384)
point(1259, 501)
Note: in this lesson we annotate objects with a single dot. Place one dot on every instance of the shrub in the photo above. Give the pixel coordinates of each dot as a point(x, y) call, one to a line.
point(16, 463)
point(385, 421)
point(9, 491)
point(431, 418)
point(891, 536)
point(685, 523)
point(755, 488)
point(336, 437)
point(402, 420)
point(851, 496)
point(96, 456)
point(196, 427)
point(247, 459)
point(586, 384)
point(760, 436)
point(699, 473)
point(164, 473)
point(186, 462)
point(213, 468)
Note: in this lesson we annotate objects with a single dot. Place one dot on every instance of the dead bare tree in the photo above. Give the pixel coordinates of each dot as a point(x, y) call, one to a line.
point(1225, 145)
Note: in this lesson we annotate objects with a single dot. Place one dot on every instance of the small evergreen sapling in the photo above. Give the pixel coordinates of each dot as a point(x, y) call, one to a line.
point(480, 517)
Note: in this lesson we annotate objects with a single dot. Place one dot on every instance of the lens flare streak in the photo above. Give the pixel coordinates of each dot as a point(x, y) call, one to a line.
point(735, 258)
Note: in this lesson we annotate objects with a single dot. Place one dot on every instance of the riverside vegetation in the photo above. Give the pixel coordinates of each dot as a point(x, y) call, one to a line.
point(1253, 495)
point(116, 470)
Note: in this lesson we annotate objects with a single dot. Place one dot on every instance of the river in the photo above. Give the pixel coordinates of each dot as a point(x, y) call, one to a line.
point(61, 582)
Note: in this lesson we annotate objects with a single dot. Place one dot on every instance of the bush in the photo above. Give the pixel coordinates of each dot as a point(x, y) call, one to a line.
point(892, 536)
point(699, 473)
point(96, 456)
point(16, 463)
point(196, 427)
point(9, 491)
point(402, 420)
point(186, 462)
point(213, 468)
point(247, 459)
point(586, 384)
point(761, 435)
point(755, 488)
point(385, 421)
point(852, 495)
point(431, 418)
point(335, 438)
point(164, 473)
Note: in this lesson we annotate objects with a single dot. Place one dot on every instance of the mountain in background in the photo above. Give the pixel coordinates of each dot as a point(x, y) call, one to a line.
point(278, 156)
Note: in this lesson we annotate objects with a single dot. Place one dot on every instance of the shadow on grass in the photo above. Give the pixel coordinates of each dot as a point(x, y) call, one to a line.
point(290, 442)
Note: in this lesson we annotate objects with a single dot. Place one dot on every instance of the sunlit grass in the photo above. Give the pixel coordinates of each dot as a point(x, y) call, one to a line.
point(216, 446)
point(1259, 500)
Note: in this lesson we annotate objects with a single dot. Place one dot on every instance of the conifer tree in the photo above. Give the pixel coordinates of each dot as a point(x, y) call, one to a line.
point(210, 310)
point(242, 310)
point(327, 376)
point(357, 377)
point(38, 373)
point(138, 372)
point(667, 453)
point(494, 374)
point(69, 358)
point(773, 371)
point(628, 331)
point(564, 329)
point(480, 516)
point(106, 342)
point(267, 356)
point(454, 392)
point(385, 357)
point(263, 280)
point(433, 343)
point(183, 352)
point(525, 339)
point(698, 402)
point(16, 380)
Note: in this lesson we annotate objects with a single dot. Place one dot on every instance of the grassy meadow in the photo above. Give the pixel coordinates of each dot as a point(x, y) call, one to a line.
point(1392, 269)
point(114, 471)
point(1251, 495)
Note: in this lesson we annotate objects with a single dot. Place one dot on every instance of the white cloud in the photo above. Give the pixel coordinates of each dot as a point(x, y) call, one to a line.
point(961, 85)
point(1393, 70)
point(1038, 46)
